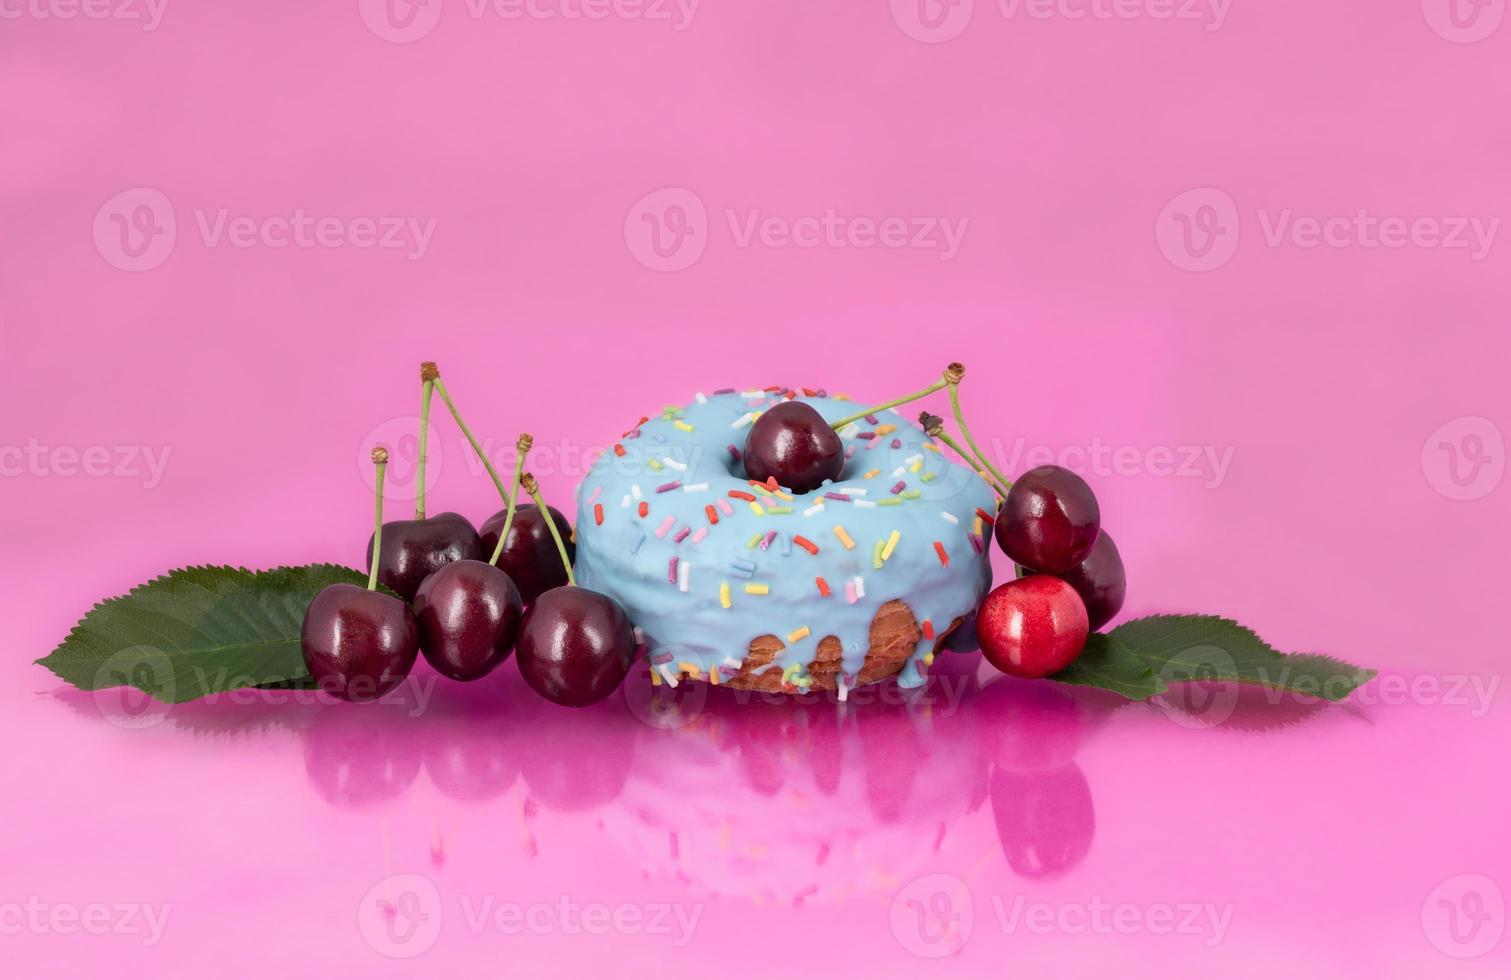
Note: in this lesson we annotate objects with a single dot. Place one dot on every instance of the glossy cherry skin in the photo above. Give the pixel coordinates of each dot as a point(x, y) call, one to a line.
point(1100, 581)
point(529, 557)
point(794, 444)
point(1049, 520)
point(358, 644)
point(1032, 627)
point(414, 549)
point(469, 615)
point(575, 646)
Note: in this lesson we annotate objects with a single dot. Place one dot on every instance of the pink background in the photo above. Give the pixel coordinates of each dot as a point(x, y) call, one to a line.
point(1357, 391)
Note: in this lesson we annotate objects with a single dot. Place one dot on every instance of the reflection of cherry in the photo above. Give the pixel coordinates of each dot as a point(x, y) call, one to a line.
point(356, 758)
point(1027, 726)
point(577, 760)
point(472, 755)
point(1045, 821)
point(574, 760)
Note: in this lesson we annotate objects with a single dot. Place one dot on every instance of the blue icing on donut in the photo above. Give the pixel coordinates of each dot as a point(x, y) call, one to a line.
point(704, 573)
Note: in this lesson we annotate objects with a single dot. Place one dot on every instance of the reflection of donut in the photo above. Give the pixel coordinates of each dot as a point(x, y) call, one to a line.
point(755, 587)
point(796, 800)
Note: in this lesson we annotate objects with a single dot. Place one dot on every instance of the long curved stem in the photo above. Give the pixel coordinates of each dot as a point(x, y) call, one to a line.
point(440, 387)
point(891, 404)
point(533, 489)
point(521, 447)
point(959, 450)
point(980, 456)
point(427, 385)
point(380, 461)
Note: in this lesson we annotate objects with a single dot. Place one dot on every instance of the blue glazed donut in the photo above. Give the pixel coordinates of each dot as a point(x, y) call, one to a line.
point(737, 583)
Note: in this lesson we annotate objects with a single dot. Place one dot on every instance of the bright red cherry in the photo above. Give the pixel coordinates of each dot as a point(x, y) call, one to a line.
point(794, 444)
point(1032, 627)
point(1049, 521)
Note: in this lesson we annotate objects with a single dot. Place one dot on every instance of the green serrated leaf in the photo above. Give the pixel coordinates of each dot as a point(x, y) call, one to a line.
point(1108, 664)
point(1187, 648)
point(197, 631)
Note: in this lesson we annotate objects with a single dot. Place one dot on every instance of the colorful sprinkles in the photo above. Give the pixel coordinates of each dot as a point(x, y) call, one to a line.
point(761, 565)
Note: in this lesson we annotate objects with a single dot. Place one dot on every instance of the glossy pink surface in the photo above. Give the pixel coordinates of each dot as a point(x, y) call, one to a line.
point(1242, 269)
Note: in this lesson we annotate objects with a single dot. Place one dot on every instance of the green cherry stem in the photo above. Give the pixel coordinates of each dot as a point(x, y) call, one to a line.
point(380, 461)
point(956, 370)
point(933, 425)
point(428, 374)
point(533, 489)
point(981, 457)
point(521, 447)
point(440, 389)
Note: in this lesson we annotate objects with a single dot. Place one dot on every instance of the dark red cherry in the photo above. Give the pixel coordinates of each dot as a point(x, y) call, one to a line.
point(794, 444)
point(358, 644)
point(469, 614)
point(1032, 627)
point(529, 556)
point(1049, 521)
point(1100, 581)
point(575, 646)
point(414, 549)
